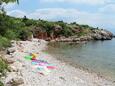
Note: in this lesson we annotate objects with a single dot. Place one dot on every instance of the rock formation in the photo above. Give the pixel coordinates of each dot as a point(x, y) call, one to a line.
point(102, 35)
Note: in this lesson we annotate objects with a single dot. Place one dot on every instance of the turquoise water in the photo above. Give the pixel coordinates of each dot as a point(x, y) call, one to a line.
point(98, 56)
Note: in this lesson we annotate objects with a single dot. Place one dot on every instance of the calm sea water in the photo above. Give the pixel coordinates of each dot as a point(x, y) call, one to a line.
point(98, 56)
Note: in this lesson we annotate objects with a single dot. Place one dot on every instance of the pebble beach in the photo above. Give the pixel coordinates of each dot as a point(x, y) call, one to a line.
point(24, 73)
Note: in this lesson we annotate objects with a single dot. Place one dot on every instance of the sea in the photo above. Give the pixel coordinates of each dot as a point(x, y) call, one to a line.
point(97, 56)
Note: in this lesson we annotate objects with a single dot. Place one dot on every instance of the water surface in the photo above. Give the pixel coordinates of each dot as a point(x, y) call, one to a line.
point(98, 56)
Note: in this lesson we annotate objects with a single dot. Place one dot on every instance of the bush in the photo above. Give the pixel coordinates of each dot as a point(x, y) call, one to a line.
point(10, 34)
point(3, 69)
point(24, 33)
point(81, 34)
point(4, 42)
point(3, 66)
point(1, 84)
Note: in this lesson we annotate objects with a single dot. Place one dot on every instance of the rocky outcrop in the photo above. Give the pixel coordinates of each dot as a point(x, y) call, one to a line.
point(101, 35)
point(40, 33)
point(73, 39)
point(58, 31)
point(98, 34)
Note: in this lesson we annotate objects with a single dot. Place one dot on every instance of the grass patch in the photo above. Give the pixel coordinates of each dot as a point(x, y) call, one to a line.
point(3, 66)
point(3, 69)
point(1, 84)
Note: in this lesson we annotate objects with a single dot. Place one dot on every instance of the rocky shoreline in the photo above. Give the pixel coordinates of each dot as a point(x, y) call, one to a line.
point(23, 73)
point(99, 34)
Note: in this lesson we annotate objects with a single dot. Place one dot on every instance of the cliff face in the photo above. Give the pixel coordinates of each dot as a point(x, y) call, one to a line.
point(71, 33)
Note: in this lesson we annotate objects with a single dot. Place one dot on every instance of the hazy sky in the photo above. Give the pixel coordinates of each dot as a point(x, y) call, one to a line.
point(98, 13)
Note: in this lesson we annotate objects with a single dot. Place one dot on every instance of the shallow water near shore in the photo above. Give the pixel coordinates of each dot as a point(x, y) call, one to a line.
point(97, 56)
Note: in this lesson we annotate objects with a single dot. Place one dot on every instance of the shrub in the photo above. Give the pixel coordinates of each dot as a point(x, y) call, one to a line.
point(24, 33)
point(3, 66)
point(4, 42)
point(81, 34)
point(3, 69)
point(1, 84)
point(10, 34)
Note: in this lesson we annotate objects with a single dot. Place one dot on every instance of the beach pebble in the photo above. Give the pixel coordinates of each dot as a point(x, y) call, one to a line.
point(15, 82)
point(11, 50)
point(62, 78)
point(13, 68)
point(27, 73)
point(9, 61)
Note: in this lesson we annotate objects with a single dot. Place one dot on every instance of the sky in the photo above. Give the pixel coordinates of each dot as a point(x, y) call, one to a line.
point(96, 13)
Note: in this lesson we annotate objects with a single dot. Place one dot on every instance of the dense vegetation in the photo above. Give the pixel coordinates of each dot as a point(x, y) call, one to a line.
point(21, 28)
point(12, 29)
point(5, 30)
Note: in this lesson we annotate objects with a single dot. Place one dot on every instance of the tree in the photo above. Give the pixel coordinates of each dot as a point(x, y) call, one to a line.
point(25, 19)
point(6, 2)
